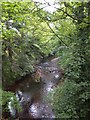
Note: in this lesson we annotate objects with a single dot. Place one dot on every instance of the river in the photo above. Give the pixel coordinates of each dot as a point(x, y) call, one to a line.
point(33, 96)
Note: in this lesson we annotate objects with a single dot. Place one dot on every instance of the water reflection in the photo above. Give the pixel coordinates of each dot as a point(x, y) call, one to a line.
point(35, 110)
point(57, 76)
point(49, 87)
point(31, 95)
point(19, 96)
point(41, 110)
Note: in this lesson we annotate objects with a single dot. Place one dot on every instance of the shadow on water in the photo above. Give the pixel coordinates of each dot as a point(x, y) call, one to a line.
point(31, 95)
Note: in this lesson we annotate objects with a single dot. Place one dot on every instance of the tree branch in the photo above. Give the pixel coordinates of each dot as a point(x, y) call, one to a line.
point(72, 16)
point(56, 34)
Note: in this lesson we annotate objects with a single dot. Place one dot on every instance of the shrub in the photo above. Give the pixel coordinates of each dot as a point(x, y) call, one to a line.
point(71, 100)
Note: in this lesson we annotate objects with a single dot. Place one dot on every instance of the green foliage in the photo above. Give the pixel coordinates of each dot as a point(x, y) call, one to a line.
point(71, 100)
point(22, 40)
point(8, 97)
point(0, 97)
point(30, 33)
point(64, 100)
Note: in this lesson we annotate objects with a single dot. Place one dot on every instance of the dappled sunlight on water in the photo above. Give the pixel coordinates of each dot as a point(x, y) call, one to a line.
point(41, 111)
point(34, 110)
point(32, 95)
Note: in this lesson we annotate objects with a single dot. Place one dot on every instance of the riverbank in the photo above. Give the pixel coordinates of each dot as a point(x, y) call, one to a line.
point(32, 95)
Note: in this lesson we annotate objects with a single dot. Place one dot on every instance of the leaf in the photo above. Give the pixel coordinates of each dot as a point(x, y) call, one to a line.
point(37, 46)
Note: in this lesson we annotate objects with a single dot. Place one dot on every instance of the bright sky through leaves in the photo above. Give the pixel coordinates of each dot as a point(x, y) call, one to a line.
point(49, 5)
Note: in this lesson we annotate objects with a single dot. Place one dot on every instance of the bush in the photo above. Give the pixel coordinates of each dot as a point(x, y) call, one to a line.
point(9, 101)
point(71, 100)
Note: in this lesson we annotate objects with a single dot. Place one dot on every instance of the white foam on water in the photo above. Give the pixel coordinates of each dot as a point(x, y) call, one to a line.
point(34, 110)
point(56, 76)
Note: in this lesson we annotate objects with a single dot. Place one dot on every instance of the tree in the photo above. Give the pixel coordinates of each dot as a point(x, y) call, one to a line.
point(21, 36)
point(72, 99)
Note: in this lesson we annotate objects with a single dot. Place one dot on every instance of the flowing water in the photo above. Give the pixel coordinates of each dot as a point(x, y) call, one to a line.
point(33, 96)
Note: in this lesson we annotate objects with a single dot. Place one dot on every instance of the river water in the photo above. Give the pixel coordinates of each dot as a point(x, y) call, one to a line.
point(33, 96)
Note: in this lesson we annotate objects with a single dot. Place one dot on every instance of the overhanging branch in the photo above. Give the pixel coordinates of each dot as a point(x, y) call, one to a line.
point(56, 34)
point(74, 18)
